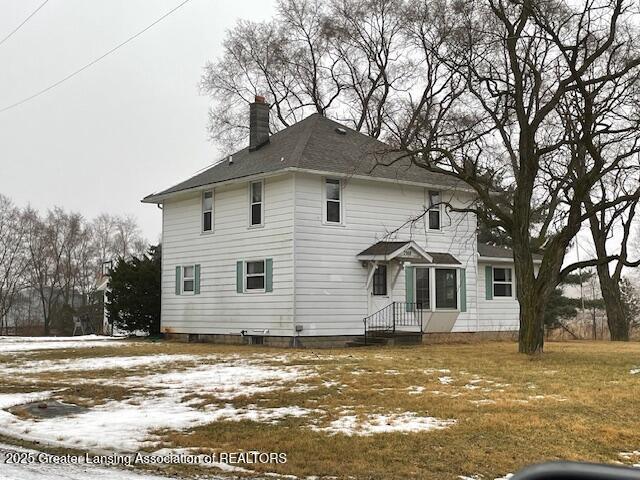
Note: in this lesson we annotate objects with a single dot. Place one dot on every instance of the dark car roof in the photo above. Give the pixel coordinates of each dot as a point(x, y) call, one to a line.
point(320, 144)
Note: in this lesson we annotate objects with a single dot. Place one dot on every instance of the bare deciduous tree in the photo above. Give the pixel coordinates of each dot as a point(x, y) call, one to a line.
point(522, 63)
point(13, 257)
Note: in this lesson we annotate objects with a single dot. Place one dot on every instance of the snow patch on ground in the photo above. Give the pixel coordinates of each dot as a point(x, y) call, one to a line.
point(128, 426)
point(378, 423)
point(8, 400)
point(170, 401)
point(415, 390)
point(634, 370)
point(223, 380)
point(484, 401)
point(445, 380)
point(631, 456)
point(99, 363)
point(27, 344)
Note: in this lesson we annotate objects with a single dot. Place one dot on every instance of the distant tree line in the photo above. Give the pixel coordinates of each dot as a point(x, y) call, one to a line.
point(49, 262)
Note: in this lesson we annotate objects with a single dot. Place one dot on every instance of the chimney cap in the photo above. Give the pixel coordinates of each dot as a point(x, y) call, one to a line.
point(260, 99)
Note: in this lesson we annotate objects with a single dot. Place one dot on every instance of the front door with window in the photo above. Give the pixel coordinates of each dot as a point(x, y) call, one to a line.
point(379, 294)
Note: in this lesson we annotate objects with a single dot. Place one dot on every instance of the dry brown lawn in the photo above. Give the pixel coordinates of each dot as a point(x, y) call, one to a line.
point(578, 401)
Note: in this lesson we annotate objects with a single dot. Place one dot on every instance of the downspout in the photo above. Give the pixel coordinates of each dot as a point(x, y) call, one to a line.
point(476, 257)
point(293, 260)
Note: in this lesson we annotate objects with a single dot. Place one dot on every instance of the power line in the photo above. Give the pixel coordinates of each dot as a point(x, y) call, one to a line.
point(93, 62)
point(25, 21)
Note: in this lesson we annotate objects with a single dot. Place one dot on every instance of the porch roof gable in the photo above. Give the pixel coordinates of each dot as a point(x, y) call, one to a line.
point(409, 250)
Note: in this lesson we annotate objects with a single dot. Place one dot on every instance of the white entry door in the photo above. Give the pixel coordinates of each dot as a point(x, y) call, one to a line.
point(379, 291)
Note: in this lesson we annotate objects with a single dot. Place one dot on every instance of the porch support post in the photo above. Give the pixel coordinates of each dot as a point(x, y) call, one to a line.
point(372, 269)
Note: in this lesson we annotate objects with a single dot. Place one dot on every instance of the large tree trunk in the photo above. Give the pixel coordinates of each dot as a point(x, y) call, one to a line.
point(616, 320)
point(532, 300)
point(531, 334)
point(609, 285)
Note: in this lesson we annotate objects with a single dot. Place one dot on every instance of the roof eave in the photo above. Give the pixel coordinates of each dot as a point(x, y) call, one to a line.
point(160, 197)
point(504, 259)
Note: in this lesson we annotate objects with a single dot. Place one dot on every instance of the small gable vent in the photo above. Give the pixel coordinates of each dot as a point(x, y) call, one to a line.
point(341, 131)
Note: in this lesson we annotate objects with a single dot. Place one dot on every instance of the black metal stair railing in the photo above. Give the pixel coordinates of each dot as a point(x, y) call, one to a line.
point(394, 317)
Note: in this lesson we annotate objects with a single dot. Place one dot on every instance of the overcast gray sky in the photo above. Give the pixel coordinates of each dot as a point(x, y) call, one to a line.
point(124, 128)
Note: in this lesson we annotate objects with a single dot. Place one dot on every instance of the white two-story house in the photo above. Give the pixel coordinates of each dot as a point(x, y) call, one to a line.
point(314, 236)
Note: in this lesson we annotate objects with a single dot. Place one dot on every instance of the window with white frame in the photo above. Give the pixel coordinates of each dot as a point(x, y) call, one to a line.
point(502, 282)
point(254, 275)
point(207, 211)
point(188, 279)
point(256, 203)
point(446, 288)
point(333, 201)
point(433, 214)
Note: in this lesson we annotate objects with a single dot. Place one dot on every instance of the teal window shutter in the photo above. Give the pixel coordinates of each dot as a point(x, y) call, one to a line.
point(268, 272)
point(488, 282)
point(463, 290)
point(408, 287)
point(196, 279)
point(239, 276)
point(178, 276)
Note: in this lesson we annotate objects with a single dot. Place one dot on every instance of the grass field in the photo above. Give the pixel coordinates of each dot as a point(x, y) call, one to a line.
point(434, 411)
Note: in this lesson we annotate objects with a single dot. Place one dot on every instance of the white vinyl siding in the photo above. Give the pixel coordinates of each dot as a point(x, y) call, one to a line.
point(331, 298)
point(219, 309)
point(496, 314)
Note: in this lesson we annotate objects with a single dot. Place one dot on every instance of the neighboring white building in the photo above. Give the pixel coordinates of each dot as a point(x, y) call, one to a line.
point(301, 236)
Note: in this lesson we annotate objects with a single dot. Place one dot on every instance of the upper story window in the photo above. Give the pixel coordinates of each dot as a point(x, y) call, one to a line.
point(256, 203)
point(434, 210)
point(207, 211)
point(380, 280)
point(333, 201)
point(502, 282)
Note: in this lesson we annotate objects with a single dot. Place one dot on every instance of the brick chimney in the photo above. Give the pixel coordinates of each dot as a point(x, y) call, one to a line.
point(258, 123)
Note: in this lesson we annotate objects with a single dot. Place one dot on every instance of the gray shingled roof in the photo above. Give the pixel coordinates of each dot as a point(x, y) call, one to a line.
point(314, 144)
point(492, 251)
point(443, 258)
point(385, 248)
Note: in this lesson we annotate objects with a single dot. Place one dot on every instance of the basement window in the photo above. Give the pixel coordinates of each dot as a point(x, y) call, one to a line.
point(502, 282)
